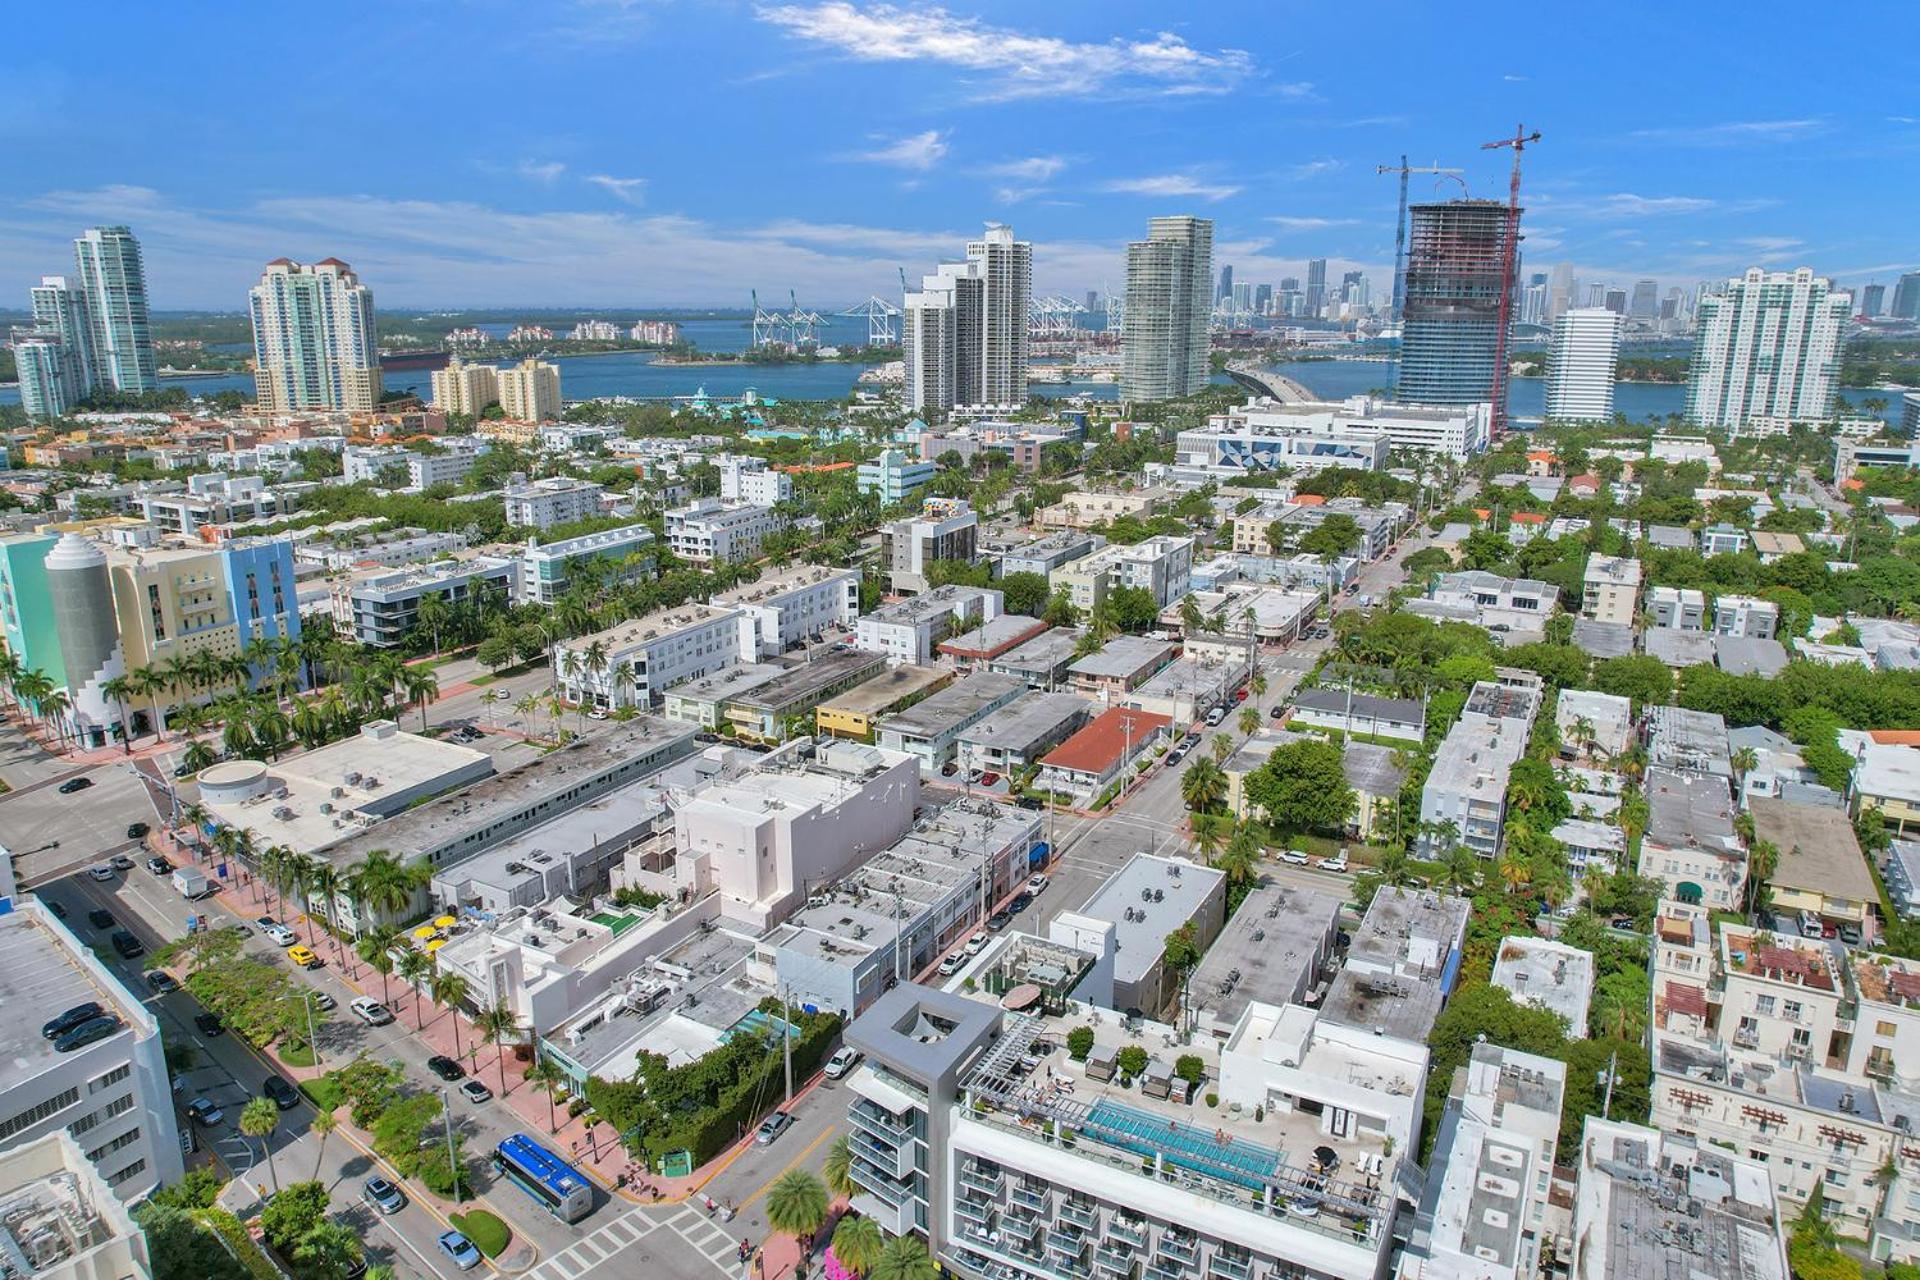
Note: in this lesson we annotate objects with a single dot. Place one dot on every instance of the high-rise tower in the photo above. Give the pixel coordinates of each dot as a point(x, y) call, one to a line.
point(1456, 255)
point(315, 345)
point(1582, 363)
point(1767, 345)
point(114, 282)
point(1164, 340)
point(965, 332)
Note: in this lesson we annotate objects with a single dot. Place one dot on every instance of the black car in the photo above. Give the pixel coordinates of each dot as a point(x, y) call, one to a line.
point(86, 1033)
point(100, 918)
point(182, 770)
point(284, 1095)
point(159, 866)
point(127, 945)
point(1021, 901)
point(999, 920)
point(137, 830)
point(70, 1019)
point(162, 982)
point(72, 785)
point(1031, 802)
point(444, 1067)
point(59, 911)
point(209, 1024)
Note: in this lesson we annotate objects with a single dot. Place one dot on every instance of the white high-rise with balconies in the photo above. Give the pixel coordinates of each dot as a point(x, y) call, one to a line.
point(1767, 345)
point(1163, 339)
point(315, 345)
point(965, 330)
point(115, 284)
point(1582, 363)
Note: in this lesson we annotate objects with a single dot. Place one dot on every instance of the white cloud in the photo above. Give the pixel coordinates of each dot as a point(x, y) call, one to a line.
point(1511, 78)
point(1032, 168)
point(1364, 122)
point(1313, 168)
point(1170, 185)
point(630, 190)
point(1311, 224)
point(1625, 204)
point(1734, 133)
point(1010, 63)
point(919, 151)
point(542, 171)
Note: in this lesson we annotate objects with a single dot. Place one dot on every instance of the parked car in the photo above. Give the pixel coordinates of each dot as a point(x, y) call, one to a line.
point(72, 785)
point(204, 1110)
point(1850, 934)
point(1278, 713)
point(460, 1250)
point(953, 964)
point(127, 945)
point(844, 1059)
point(446, 1068)
point(59, 912)
point(370, 1011)
point(989, 779)
point(161, 981)
point(281, 1090)
point(159, 866)
point(475, 1091)
point(304, 957)
point(383, 1195)
point(100, 919)
point(1031, 803)
point(322, 1000)
point(101, 871)
point(772, 1127)
point(1037, 884)
point(121, 862)
point(57, 1027)
point(280, 935)
point(999, 920)
point(86, 1033)
point(976, 944)
point(266, 922)
point(209, 1024)
point(1338, 862)
point(1021, 901)
point(1294, 856)
point(137, 830)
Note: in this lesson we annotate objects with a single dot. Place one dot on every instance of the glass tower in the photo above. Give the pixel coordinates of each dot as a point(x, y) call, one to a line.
point(1455, 256)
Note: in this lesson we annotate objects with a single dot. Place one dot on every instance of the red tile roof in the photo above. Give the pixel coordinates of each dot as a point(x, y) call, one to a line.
point(1308, 500)
point(1685, 998)
point(1098, 747)
point(1895, 737)
point(1528, 517)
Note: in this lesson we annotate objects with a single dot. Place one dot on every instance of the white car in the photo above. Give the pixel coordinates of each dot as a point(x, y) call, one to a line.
point(976, 944)
point(1295, 857)
point(101, 872)
point(281, 935)
point(1036, 884)
point(370, 1011)
point(953, 964)
point(1336, 863)
point(844, 1059)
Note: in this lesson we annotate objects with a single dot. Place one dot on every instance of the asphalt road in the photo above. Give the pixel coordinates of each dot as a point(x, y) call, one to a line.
point(52, 835)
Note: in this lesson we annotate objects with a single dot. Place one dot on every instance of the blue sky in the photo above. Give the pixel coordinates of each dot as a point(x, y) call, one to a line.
point(671, 152)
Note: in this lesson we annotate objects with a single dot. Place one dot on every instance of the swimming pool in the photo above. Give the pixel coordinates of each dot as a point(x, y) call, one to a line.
point(1186, 1145)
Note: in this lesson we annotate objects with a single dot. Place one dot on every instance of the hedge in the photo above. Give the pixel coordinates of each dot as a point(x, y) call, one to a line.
point(489, 1235)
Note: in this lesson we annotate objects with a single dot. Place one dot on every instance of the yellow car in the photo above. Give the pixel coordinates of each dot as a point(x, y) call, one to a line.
point(304, 957)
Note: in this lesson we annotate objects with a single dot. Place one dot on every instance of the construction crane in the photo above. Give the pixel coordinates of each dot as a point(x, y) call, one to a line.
point(1509, 260)
point(1400, 224)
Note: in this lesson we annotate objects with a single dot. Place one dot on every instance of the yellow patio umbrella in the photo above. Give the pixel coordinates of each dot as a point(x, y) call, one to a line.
point(435, 945)
point(445, 922)
point(425, 931)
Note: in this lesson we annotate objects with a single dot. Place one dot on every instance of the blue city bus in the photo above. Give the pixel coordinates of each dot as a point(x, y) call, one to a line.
point(545, 1176)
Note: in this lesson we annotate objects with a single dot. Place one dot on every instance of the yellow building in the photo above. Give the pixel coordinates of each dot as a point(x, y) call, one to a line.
point(171, 602)
point(854, 713)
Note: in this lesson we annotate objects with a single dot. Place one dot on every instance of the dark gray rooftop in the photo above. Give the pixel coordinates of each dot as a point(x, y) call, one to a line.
point(1602, 639)
point(1269, 950)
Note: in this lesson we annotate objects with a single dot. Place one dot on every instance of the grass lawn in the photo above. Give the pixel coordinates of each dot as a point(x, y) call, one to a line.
point(324, 1093)
point(489, 1234)
point(296, 1055)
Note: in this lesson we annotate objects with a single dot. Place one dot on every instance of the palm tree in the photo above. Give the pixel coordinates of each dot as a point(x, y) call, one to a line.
point(449, 990)
point(1515, 872)
point(497, 1026)
point(1240, 860)
point(547, 1078)
point(1394, 867)
point(414, 966)
point(857, 1243)
point(904, 1258)
point(323, 1124)
point(258, 1119)
point(1258, 684)
point(838, 1169)
point(375, 946)
point(55, 706)
point(325, 882)
point(1222, 746)
point(1763, 859)
point(797, 1205)
point(421, 687)
point(120, 688)
point(1249, 720)
point(1204, 785)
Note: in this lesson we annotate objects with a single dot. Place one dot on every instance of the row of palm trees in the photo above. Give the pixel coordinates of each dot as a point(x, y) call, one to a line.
point(33, 690)
point(798, 1203)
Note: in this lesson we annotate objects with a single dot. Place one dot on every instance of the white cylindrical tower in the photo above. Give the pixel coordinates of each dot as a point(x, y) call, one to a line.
point(88, 632)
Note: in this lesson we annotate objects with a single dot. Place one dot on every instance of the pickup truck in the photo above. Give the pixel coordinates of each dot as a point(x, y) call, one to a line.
point(191, 884)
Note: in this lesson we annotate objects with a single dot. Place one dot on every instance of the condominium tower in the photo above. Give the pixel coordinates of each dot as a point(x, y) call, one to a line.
point(1455, 260)
point(1582, 364)
point(965, 331)
point(89, 332)
point(530, 391)
point(1163, 339)
point(314, 341)
point(465, 388)
point(1767, 345)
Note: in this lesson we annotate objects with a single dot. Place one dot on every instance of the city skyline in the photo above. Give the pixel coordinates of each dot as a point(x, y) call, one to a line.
point(1076, 126)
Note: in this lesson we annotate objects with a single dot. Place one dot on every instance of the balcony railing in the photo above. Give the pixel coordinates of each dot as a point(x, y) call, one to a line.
point(1180, 1246)
point(1035, 1195)
point(981, 1179)
point(1165, 1268)
point(1130, 1231)
point(980, 1211)
point(1067, 1244)
point(1114, 1256)
point(1082, 1213)
point(878, 1122)
point(1231, 1266)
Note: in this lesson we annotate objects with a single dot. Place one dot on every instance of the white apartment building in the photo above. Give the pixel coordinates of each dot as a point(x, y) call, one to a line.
point(711, 529)
point(1746, 616)
point(545, 567)
point(945, 529)
point(113, 1096)
point(1590, 721)
point(1767, 344)
point(1522, 604)
point(1467, 785)
point(748, 478)
point(530, 391)
point(542, 504)
point(785, 607)
point(1162, 566)
point(965, 332)
point(633, 664)
point(1677, 609)
point(1612, 589)
point(1582, 364)
point(63, 1221)
point(1163, 336)
point(465, 388)
point(909, 631)
point(1690, 845)
point(1244, 434)
point(452, 459)
point(380, 607)
point(315, 344)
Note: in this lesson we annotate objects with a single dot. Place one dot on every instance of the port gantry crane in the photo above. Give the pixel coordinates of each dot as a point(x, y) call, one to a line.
point(879, 314)
point(1510, 258)
point(1400, 225)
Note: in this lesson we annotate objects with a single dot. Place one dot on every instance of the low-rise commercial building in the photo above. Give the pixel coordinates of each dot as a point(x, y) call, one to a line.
point(854, 713)
point(1147, 899)
point(1042, 661)
point(703, 702)
point(1162, 566)
point(1101, 754)
point(1402, 719)
point(63, 1220)
point(1020, 733)
point(930, 730)
point(1045, 554)
point(911, 630)
point(1547, 975)
point(635, 663)
point(772, 711)
point(977, 648)
point(379, 608)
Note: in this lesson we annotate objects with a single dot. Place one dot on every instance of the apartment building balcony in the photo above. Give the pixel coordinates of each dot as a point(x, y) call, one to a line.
point(879, 1122)
point(896, 1161)
point(1181, 1245)
point(1231, 1264)
point(1114, 1258)
point(1066, 1244)
point(1128, 1230)
point(1162, 1267)
point(1022, 1224)
point(980, 1177)
point(1080, 1213)
point(1033, 1194)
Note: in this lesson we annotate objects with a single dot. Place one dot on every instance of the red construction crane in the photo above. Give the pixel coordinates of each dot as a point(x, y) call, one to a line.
point(1520, 141)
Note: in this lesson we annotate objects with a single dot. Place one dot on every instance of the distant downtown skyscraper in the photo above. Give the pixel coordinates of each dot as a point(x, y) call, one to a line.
point(1767, 345)
point(1872, 300)
point(1163, 342)
point(1316, 287)
point(1455, 260)
point(965, 332)
point(1225, 291)
point(315, 345)
point(90, 331)
point(1906, 297)
point(1645, 303)
point(1581, 365)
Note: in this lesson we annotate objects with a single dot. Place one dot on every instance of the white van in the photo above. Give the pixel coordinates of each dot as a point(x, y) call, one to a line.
point(1216, 715)
point(1810, 925)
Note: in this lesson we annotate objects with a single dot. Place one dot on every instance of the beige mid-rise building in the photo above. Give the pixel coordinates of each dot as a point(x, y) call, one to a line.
point(465, 388)
point(1612, 591)
point(530, 391)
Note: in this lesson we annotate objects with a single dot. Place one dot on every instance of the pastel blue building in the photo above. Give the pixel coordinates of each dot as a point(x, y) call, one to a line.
point(894, 477)
point(260, 588)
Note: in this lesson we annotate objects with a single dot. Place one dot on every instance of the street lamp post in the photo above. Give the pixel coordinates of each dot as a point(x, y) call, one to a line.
point(453, 1167)
point(313, 1039)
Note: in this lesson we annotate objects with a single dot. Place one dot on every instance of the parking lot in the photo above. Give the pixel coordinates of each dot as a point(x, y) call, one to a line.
point(51, 834)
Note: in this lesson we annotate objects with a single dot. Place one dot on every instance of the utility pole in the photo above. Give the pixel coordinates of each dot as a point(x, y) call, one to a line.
point(1509, 257)
point(313, 1040)
point(786, 1038)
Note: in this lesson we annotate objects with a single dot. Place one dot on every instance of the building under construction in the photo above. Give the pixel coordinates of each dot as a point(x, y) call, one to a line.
point(1456, 259)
